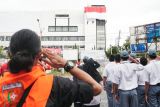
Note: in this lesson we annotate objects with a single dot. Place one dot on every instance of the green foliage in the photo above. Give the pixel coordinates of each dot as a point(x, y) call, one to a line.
point(115, 49)
point(112, 50)
point(126, 45)
point(1, 52)
point(1, 49)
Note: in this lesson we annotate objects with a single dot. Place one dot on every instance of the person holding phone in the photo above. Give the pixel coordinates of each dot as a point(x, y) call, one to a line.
point(26, 84)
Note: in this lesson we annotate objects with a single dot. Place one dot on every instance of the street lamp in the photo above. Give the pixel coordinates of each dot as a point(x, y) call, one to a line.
point(39, 28)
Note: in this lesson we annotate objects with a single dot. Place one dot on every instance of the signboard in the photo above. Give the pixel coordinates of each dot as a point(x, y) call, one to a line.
point(157, 29)
point(95, 54)
point(138, 47)
point(150, 32)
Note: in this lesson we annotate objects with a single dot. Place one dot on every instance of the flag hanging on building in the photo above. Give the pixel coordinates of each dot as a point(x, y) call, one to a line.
point(95, 11)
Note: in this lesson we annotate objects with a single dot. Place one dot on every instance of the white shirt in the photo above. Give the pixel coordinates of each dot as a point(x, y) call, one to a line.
point(141, 76)
point(115, 70)
point(153, 72)
point(125, 75)
point(108, 71)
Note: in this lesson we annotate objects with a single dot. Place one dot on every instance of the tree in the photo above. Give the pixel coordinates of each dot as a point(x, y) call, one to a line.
point(112, 50)
point(1, 51)
point(126, 45)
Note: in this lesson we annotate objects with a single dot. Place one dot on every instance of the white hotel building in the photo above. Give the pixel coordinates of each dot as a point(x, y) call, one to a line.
point(65, 29)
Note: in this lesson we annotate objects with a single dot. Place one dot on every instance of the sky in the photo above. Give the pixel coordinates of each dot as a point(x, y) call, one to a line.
point(121, 14)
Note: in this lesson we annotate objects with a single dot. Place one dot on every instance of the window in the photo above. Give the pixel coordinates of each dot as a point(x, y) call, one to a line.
point(100, 27)
point(65, 28)
point(51, 28)
point(62, 15)
point(8, 38)
point(73, 28)
point(63, 38)
point(59, 28)
point(1, 38)
point(62, 28)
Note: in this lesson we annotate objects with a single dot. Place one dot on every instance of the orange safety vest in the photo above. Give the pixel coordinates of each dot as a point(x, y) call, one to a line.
point(12, 87)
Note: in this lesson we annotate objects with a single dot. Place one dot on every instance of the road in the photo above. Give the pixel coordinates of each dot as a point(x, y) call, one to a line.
point(103, 100)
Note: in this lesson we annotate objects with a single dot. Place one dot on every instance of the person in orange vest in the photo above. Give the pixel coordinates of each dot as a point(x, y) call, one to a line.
point(27, 85)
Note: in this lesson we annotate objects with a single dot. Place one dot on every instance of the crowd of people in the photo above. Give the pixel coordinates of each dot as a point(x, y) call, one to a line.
point(128, 82)
point(132, 83)
point(26, 84)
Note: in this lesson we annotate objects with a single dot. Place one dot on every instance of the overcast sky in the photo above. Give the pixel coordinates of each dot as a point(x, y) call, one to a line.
point(121, 14)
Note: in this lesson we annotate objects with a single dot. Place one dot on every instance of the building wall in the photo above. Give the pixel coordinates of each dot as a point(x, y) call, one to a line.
point(14, 21)
point(90, 34)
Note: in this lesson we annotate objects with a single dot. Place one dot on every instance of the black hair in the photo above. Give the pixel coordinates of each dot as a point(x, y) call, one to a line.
point(152, 56)
point(117, 58)
point(143, 61)
point(111, 58)
point(85, 59)
point(124, 58)
point(24, 46)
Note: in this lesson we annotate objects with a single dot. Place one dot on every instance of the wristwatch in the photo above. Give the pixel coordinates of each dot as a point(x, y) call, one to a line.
point(68, 66)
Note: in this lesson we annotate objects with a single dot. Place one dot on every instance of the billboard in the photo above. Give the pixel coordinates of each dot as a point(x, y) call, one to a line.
point(138, 47)
point(157, 29)
point(150, 32)
point(146, 36)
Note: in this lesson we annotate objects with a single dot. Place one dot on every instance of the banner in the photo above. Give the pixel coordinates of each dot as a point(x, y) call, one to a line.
point(150, 33)
point(157, 29)
point(138, 47)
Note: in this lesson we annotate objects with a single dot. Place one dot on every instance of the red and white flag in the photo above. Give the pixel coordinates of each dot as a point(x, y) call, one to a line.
point(95, 12)
point(97, 9)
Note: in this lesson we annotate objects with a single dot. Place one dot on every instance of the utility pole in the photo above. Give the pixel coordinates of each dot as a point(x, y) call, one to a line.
point(40, 29)
point(119, 37)
point(111, 48)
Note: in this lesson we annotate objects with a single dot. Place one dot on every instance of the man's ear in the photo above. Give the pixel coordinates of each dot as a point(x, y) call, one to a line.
point(38, 56)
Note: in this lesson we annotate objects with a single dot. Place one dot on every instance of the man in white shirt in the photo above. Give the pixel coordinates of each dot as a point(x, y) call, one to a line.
point(108, 78)
point(133, 55)
point(125, 82)
point(141, 83)
point(152, 86)
point(117, 61)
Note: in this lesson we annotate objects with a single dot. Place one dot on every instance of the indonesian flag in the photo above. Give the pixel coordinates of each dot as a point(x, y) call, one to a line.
point(97, 9)
point(95, 12)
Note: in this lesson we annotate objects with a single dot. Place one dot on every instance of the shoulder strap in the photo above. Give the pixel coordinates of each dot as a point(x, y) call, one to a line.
point(24, 96)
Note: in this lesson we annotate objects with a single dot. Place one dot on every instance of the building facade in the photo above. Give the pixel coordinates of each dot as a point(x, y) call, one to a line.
point(144, 37)
point(65, 29)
